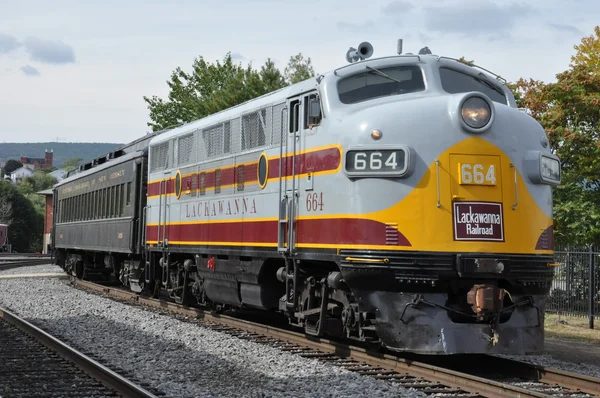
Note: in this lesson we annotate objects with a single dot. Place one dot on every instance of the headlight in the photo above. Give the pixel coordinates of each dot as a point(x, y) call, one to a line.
point(476, 112)
point(550, 169)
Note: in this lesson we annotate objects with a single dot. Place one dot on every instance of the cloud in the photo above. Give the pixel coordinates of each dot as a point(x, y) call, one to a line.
point(397, 7)
point(8, 43)
point(475, 17)
point(566, 28)
point(367, 26)
point(237, 57)
point(30, 70)
point(52, 52)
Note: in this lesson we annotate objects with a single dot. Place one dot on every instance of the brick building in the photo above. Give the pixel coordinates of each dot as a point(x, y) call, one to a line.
point(47, 218)
point(39, 163)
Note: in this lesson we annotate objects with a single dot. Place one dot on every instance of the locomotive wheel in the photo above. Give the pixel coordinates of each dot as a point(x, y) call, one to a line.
point(78, 270)
point(154, 288)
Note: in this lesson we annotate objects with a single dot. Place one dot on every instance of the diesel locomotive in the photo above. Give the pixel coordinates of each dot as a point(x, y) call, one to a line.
point(402, 200)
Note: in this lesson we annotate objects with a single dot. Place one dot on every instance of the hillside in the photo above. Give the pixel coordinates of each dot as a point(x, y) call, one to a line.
point(62, 150)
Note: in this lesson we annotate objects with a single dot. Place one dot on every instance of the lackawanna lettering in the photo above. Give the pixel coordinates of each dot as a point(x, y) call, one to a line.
point(478, 221)
point(230, 207)
point(476, 218)
point(477, 230)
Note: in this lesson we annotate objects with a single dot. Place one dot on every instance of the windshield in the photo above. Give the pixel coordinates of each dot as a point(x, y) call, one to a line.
point(375, 83)
point(457, 82)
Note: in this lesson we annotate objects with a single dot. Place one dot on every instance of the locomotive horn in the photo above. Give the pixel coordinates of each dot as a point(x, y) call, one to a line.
point(364, 51)
point(351, 55)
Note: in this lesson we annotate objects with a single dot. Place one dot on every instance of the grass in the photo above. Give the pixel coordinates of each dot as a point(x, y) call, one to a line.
point(572, 327)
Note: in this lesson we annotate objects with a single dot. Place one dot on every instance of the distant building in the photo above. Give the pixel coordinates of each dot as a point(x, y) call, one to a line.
point(47, 218)
point(39, 163)
point(20, 173)
point(59, 174)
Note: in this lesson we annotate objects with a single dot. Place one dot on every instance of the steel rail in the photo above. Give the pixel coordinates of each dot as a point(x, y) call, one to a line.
point(572, 381)
point(96, 370)
point(24, 255)
point(448, 377)
point(22, 263)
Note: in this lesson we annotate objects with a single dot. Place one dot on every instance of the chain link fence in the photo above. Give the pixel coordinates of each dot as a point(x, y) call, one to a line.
point(576, 285)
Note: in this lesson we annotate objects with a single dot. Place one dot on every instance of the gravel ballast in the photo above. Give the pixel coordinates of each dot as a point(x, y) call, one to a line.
point(178, 358)
point(182, 359)
point(32, 269)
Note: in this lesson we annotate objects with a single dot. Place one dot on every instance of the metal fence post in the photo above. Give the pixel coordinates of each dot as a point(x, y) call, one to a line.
point(591, 287)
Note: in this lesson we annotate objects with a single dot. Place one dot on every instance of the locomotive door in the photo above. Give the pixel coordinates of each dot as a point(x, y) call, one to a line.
point(288, 175)
point(163, 194)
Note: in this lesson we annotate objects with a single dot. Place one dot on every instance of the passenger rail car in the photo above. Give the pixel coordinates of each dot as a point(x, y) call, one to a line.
point(403, 200)
point(98, 227)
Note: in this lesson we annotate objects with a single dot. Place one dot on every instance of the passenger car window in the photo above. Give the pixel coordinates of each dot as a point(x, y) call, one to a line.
point(371, 84)
point(457, 82)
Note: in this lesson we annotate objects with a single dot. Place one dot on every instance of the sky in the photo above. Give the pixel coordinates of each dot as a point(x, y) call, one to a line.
point(77, 71)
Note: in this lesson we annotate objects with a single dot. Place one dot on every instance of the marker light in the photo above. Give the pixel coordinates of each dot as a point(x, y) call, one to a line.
point(476, 112)
point(550, 169)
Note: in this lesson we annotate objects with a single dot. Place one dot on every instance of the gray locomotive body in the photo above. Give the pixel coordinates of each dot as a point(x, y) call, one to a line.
point(402, 200)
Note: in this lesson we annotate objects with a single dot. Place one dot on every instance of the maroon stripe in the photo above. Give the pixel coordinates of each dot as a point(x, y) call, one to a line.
point(546, 239)
point(347, 231)
point(316, 161)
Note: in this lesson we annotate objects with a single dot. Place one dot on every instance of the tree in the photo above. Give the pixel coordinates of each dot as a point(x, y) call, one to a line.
point(210, 88)
point(5, 211)
point(465, 61)
point(298, 69)
point(27, 226)
point(48, 170)
point(38, 181)
point(71, 163)
point(12, 165)
point(569, 111)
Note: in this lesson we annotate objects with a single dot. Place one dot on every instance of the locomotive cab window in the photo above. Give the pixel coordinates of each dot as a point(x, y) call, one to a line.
point(376, 83)
point(454, 82)
point(312, 111)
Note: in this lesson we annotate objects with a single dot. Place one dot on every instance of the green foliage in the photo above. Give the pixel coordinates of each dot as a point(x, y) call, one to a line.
point(12, 165)
point(26, 230)
point(48, 170)
point(569, 111)
point(210, 88)
point(71, 163)
point(36, 182)
point(298, 69)
point(465, 61)
point(62, 150)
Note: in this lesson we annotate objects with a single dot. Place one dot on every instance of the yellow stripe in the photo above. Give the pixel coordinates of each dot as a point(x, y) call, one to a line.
point(239, 220)
point(250, 184)
point(187, 243)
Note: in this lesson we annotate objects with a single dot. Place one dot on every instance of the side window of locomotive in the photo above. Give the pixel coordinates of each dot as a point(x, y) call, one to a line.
point(294, 115)
point(454, 82)
point(381, 83)
point(312, 111)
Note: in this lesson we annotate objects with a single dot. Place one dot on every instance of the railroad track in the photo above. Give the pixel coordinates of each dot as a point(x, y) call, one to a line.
point(25, 262)
point(431, 379)
point(36, 364)
point(24, 255)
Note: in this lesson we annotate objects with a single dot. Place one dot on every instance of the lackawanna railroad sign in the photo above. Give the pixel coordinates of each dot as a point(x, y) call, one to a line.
point(478, 221)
